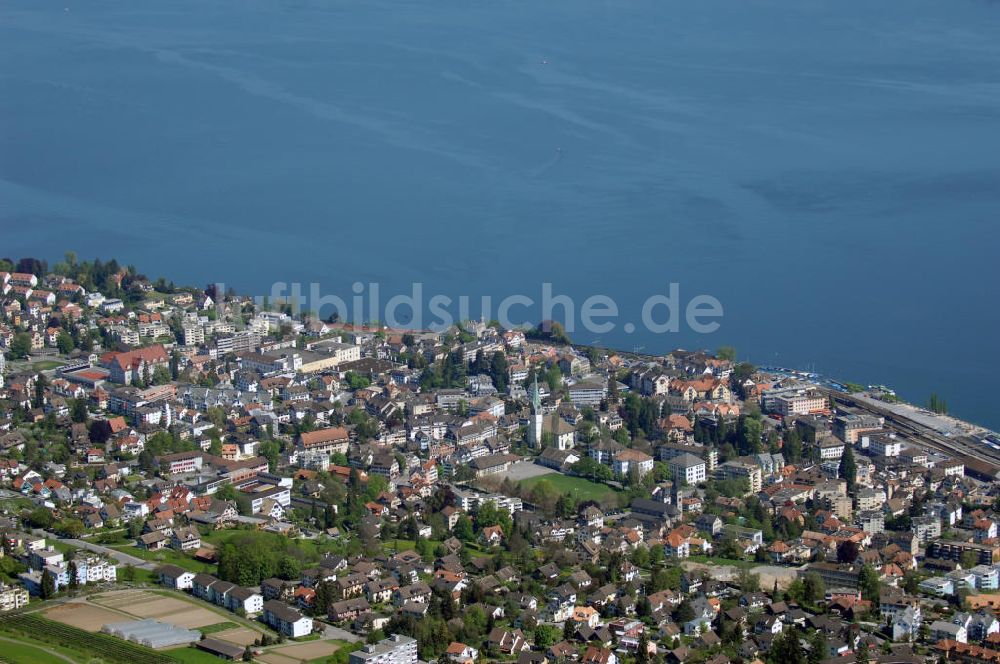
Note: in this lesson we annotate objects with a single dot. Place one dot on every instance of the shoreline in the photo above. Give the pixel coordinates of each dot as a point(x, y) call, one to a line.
point(942, 422)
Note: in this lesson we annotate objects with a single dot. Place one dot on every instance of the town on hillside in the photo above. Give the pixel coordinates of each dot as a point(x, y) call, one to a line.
point(188, 475)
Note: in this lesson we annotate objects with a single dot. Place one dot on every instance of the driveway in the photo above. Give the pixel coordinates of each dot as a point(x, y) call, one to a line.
point(332, 632)
point(120, 556)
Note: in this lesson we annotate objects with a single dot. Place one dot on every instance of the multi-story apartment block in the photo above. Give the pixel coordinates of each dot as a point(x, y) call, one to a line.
point(687, 468)
point(397, 649)
point(12, 597)
point(850, 427)
point(797, 404)
point(885, 445)
point(286, 620)
point(745, 470)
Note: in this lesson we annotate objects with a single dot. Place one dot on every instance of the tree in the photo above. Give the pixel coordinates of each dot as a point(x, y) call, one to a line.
point(786, 649)
point(546, 635)
point(135, 528)
point(289, 568)
point(792, 447)
point(498, 370)
point(863, 653)
point(100, 431)
point(569, 630)
point(642, 652)
point(748, 581)
point(128, 574)
point(33, 266)
point(684, 612)
point(78, 413)
point(553, 377)
point(613, 397)
point(252, 556)
point(72, 528)
point(727, 353)
point(64, 342)
point(751, 431)
point(849, 469)
point(937, 405)
point(817, 647)
point(813, 588)
point(48, 588)
point(161, 375)
point(668, 578)
point(463, 529)
point(969, 559)
point(74, 582)
point(41, 517)
point(356, 381)
point(20, 347)
point(868, 583)
point(847, 551)
point(40, 384)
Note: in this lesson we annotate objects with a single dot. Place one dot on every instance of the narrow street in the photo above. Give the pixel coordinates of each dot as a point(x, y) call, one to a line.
point(120, 556)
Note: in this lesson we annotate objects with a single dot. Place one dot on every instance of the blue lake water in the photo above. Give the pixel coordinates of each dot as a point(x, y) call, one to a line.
point(829, 171)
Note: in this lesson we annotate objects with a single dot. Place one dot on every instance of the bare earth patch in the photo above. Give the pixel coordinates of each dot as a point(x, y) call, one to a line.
point(175, 611)
point(123, 599)
point(771, 573)
point(85, 616)
point(144, 604)
point(241, 636)
point(768, 573)
point(299, 652)
point(272, 657)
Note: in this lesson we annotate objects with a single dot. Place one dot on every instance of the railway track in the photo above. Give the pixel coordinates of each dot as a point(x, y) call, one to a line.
point(963, 448)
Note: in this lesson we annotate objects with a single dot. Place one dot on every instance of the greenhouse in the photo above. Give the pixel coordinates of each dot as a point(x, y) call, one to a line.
point(151, 633)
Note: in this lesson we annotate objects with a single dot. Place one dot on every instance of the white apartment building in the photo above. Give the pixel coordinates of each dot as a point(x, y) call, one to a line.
point(12, 597)
point(830, 449)
point(193, 334)
point(688, 468)
point(397, 649)
point(885, 445)
point(286, 620)
point(794, 402)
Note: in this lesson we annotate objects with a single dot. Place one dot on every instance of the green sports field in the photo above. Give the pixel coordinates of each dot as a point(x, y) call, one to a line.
point(578, 487)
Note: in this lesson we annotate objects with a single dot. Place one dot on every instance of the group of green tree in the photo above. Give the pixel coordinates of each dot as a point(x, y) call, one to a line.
point(739, 437)
point(108, 277)
point(487, 516)
point(641, 415)
point(848, 469)
point(787, 648)
point(753, 514)
point(548, 330)
point(936, 404)
point(495, 367)
point(448, 373)
point(250, 557)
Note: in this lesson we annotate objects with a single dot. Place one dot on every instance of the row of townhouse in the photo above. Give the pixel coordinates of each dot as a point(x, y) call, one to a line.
point(273, 612)
point(211, 589)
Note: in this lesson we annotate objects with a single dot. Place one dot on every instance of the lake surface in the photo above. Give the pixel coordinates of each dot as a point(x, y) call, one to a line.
point(830, 172)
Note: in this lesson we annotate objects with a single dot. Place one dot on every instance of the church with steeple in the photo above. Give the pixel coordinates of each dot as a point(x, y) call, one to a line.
point(535, 429)
point(563, 434)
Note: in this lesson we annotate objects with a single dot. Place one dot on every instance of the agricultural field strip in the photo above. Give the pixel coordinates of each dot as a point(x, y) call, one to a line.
point(106, 647)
